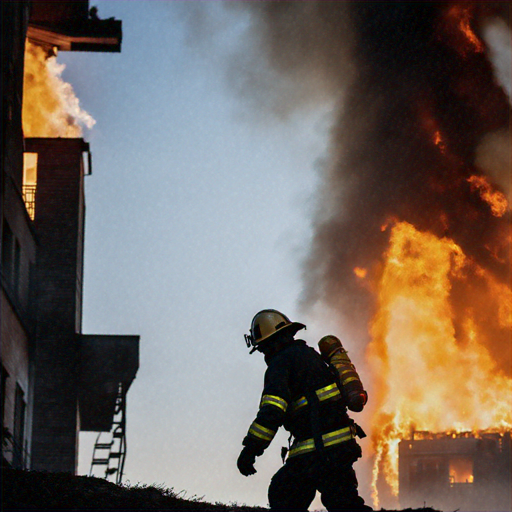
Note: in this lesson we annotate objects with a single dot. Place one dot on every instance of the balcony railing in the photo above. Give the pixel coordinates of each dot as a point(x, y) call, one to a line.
point(29, 197)
point(15, 453)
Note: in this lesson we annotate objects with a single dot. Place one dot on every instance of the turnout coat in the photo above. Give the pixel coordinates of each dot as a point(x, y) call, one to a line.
point(301, 394)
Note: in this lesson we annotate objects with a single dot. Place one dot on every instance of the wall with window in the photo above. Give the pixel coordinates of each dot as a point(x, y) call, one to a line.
point(15, 385)
point(17, 276)
point(17, 240)
point(18, 257)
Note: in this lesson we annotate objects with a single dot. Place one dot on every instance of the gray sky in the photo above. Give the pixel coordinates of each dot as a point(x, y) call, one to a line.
point(198, 216)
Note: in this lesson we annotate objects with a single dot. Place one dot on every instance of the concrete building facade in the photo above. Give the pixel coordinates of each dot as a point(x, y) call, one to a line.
point(47, 382)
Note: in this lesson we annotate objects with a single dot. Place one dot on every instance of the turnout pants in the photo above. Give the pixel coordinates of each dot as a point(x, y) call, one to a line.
point(294, 486)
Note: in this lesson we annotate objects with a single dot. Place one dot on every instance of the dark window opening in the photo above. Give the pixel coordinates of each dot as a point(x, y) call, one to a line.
point(427, 472)
point(16, 267)
point(5, 376)
point(7, 252)
point(19, 429)
point(6, 435)
point(11, 259)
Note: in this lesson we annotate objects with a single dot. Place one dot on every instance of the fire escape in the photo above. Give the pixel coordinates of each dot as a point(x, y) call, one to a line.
point(110, 447)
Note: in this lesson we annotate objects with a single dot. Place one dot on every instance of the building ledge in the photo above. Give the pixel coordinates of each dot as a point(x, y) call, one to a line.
point(106, 361)
point(88, 35)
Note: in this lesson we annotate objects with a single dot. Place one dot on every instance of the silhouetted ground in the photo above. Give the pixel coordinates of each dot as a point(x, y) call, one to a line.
point(32, 490)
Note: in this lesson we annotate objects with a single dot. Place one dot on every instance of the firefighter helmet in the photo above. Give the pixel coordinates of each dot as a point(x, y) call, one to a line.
point(266, 323)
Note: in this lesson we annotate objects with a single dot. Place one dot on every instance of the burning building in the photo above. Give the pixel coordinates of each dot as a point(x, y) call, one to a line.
point(412, 234)
point(56, 381)
point(467, 471)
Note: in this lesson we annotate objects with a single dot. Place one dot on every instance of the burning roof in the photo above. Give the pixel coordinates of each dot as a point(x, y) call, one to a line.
point(455, 470)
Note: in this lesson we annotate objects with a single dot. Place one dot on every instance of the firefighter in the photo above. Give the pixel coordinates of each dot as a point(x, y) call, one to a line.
point(302, 393)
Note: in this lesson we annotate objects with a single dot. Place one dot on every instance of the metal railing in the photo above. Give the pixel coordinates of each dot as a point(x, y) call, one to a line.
point(15, 453)
point(29, 197)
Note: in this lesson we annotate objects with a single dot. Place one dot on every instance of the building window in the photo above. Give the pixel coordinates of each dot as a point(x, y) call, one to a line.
point(427, 472)
point(6, 434)
point(5, 376)
point(19, 429)
point(11, 259)
point(16, 266)
point(7, 252)
point(461, 470)
point(30, 182)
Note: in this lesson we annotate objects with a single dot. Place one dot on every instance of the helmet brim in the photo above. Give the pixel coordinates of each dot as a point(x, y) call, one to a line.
point(292, 328)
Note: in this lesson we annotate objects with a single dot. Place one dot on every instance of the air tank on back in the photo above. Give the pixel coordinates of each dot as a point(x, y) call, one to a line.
point(352, 389)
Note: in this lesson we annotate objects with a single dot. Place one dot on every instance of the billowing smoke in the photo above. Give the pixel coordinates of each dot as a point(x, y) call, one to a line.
point(50, 106)
point(411, 239)
point(423, 107)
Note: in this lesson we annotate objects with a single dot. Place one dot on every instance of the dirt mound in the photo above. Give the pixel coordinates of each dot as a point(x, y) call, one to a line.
point(32, 490)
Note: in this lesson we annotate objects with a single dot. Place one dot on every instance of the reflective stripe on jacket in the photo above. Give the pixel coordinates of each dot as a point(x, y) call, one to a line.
point(325, 393)
point(329, 439)
point(292, 374)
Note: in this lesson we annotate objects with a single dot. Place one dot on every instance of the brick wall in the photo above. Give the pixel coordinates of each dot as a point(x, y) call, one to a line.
point(59, 225)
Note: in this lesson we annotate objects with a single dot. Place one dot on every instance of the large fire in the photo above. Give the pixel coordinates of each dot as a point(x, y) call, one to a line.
point(432, 372)
point(50, 106)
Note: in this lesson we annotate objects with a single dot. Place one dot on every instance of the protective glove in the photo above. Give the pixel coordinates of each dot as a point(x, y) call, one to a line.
point(246, 461)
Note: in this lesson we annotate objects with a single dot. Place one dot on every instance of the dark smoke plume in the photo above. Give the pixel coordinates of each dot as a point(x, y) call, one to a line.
point(404, 72)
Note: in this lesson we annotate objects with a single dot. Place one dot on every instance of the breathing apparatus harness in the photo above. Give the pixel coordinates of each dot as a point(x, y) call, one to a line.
point(348, 384)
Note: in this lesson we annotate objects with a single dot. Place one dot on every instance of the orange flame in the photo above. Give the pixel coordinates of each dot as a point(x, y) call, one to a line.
point(458, 20)
point(431, 128)
point(360, 272)
point(439, 142)
point(50, 107)
point(465, 27)
point(433, 374)
point(495, 199)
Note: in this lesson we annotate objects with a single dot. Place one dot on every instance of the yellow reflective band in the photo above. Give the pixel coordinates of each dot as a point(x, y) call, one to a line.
point(338, 436)
point(263, 433)
point(302, 447)
point(346, 371)
point(301, 402)
point(350, 379)
point(327, 392)
point(329, 439)
point(274, 400)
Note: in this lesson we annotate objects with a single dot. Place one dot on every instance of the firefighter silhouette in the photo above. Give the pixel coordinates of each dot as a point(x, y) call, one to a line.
point(308, 394)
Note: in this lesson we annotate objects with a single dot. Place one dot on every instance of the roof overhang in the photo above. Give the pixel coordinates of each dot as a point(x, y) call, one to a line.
point(106, 362)
point(88, 35)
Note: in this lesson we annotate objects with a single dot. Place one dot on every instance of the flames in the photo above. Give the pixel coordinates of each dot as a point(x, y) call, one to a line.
point(458, 29)
point(440, 336)
point(361, 273)
point(494, 198)
point(435, 370)
point(50, 107)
